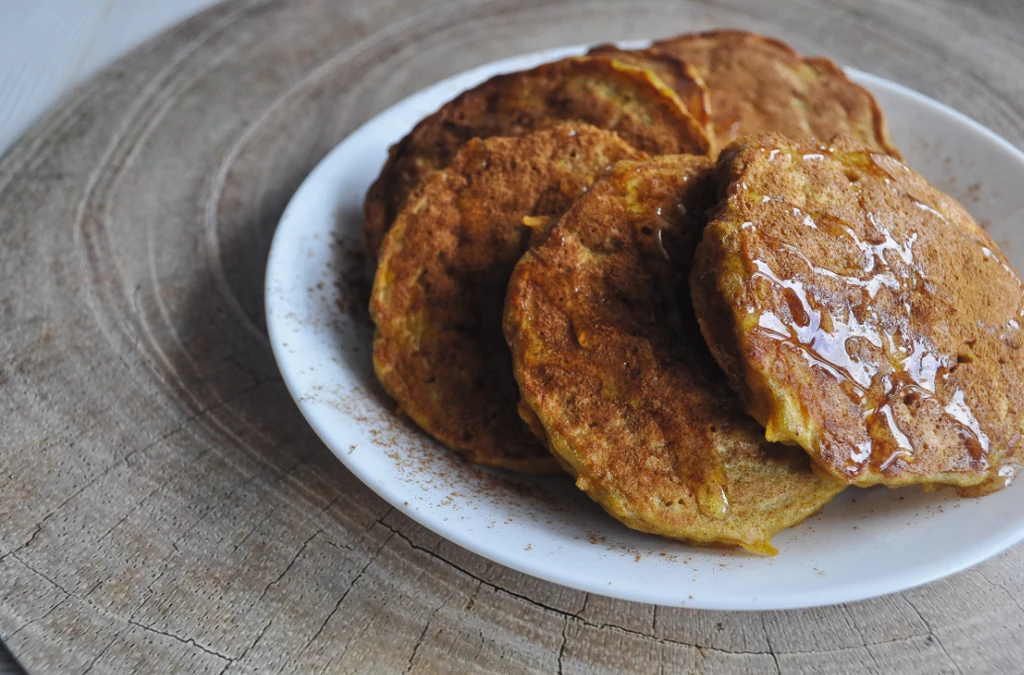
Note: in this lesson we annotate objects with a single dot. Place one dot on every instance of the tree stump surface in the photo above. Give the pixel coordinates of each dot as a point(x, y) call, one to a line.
point(164, 506)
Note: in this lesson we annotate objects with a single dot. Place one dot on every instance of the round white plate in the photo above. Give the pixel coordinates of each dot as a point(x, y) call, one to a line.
point(865, 543)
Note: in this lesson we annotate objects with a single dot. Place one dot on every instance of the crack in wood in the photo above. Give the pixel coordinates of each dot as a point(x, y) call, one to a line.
point(768, 642)
point(932, 634)
point(36, 620)
point(98, 656)
point(348, 590)
point(422, 636)
point(148, 591)
point(661, 640)
point(134, 508)
point(288, 567)
point(68, 500)
point(110, 615)
point(981, 573)
point(186, 531)
point(561, 647)
point(852, 625)
point(187, 641)
point(125, 461)
point(40, 574)
point(555, 610)
point(380, 520)
point(252, 645)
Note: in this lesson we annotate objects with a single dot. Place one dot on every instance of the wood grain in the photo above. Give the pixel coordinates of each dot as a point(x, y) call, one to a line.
point(164, 507)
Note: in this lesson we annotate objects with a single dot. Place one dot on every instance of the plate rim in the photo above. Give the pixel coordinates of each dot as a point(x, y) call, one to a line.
point(843, 593)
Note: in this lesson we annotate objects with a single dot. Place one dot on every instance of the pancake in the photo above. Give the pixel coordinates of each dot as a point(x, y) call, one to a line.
point(863, 315)
point(679, 76)
point(598, 91)
point(440, 285)
point(610, 362)
point(757, 84)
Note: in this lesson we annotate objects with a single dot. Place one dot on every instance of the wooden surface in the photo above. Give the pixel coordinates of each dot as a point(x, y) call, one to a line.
point(163, 505)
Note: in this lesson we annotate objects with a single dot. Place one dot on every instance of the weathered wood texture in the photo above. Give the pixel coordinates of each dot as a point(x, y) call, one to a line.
point(164, 506)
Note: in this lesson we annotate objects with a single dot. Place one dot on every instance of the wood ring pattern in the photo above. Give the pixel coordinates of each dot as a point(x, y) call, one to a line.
point(164, 505)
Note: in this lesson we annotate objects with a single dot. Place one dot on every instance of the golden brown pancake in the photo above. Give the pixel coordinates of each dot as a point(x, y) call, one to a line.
point(757, 85)
point(680, 77)
point(440, 286)
point(610, 362)
point(628, 100)
point(863, 315)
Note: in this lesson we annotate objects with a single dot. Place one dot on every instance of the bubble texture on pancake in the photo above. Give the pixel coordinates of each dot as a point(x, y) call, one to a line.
point(863, 315)
point(440, 286)
point(757, 84)
point(631, 101)
point(609, 360)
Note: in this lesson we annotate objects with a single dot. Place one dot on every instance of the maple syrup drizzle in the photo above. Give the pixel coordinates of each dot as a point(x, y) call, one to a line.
point(824, 339)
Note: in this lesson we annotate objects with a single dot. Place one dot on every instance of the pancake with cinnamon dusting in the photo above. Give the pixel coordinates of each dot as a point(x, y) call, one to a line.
point(681, 77)
point(612, 368)
point(631, 101)
point(440, 286)
point(757, 84)
point(863, 315)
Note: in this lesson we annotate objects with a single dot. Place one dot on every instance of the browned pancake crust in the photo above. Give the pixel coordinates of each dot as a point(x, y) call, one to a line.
point(681, 77)
point(598, 91)
point(757, 85)
point(863, 315)
point(610, 361)
point(440, 285)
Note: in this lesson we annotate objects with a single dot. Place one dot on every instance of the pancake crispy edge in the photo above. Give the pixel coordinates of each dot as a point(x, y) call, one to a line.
point(679, 76)
point(601, 92)
point(863, 315)
point(758, 84)
point(439, 290)
point(609, 360)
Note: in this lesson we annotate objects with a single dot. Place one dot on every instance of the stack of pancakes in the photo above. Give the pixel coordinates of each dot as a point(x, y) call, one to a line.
point(698, 278)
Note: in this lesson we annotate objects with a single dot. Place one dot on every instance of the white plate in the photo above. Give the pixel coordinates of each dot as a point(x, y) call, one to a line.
point(865, 543)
